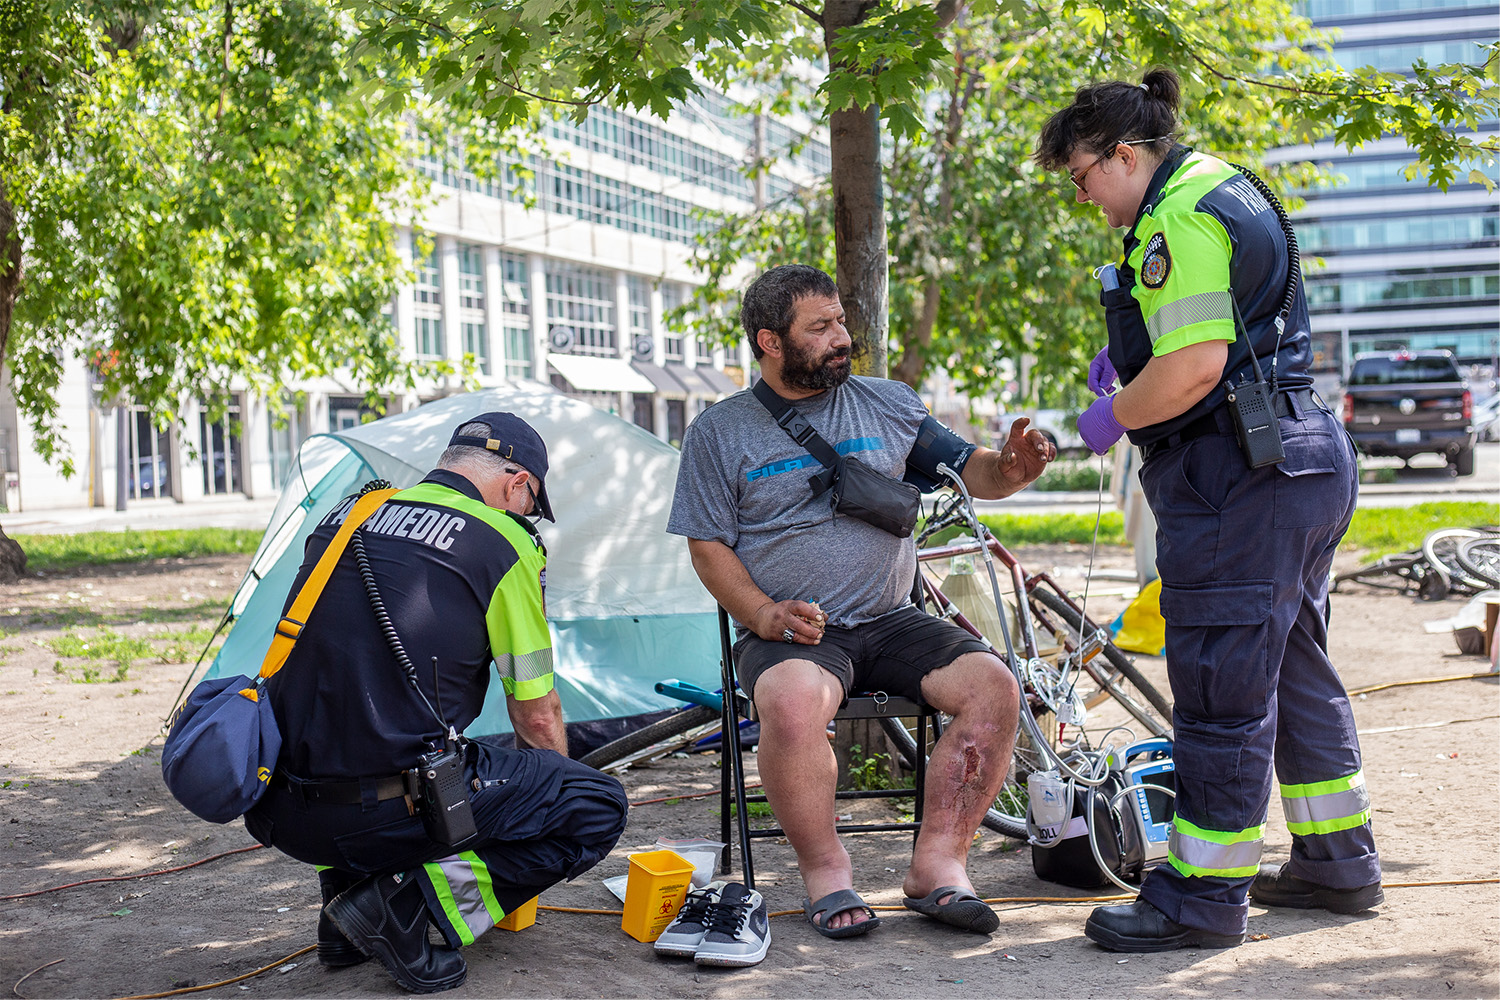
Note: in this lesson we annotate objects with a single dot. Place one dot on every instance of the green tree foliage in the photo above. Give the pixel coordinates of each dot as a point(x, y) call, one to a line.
point(195, 195)
point(987, 257)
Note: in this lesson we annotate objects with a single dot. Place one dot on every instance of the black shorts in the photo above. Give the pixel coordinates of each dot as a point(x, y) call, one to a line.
point(891, 654)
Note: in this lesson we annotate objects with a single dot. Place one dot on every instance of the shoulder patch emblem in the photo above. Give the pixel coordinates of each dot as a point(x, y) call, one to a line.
point(1156, 263)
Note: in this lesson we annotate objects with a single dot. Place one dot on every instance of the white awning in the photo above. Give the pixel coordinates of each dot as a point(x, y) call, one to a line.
point(589, 374)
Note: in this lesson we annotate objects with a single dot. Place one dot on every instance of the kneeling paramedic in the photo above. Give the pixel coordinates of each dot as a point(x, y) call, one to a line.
point(391, 665)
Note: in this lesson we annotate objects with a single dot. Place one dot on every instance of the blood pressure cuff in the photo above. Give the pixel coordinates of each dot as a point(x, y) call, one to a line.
point(936, 445)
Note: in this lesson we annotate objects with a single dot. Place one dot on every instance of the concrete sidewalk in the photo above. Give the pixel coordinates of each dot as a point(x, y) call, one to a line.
point(145, 515)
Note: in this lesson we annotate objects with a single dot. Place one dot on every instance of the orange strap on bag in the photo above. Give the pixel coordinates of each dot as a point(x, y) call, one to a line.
point(290, 626)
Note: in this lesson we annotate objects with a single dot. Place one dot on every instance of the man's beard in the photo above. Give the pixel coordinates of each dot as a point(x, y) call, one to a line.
point(801, 369)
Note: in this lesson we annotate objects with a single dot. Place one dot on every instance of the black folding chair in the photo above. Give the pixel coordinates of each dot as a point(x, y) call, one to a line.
point(870, 705)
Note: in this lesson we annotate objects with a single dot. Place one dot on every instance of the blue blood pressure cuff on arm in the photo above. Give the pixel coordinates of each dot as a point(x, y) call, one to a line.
point(936, 445)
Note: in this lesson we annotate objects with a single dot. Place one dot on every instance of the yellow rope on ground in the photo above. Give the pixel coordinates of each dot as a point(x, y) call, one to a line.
point(1424, 680)
point(778, 913)
point(226, 982)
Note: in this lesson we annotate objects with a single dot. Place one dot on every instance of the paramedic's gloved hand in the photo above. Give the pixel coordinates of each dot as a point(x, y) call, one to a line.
point(1101, 373)
point(1098, 427)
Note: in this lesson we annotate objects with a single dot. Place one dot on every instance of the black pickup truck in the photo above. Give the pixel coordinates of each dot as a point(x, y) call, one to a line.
point(1411, 403)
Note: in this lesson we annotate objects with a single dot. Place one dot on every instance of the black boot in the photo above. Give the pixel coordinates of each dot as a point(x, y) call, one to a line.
point(334, 950)
point(1139, 926)
point(386, 918)
point(1279, 887)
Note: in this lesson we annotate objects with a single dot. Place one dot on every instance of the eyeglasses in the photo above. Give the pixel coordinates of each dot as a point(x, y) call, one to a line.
point(536, 505)
point(1077, 178)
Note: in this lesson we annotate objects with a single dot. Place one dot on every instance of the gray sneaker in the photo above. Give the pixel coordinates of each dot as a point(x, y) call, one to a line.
point(685, 932)
point(739, 930)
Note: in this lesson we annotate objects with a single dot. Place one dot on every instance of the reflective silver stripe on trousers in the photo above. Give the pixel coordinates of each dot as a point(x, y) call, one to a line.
point(1321, 808)
point(1211, 856)
point(466, 895)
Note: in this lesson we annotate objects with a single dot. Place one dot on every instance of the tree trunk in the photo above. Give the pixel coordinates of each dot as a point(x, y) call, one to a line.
point(12, 557)
point(10, 271)
point(859, 238)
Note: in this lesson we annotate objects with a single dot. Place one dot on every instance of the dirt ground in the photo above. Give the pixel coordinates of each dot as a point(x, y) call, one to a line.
point(81, 797)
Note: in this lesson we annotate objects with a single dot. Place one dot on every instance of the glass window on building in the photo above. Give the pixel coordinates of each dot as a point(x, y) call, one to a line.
point(219, 452)
point(345, 412)
point(284, 441)
point(476, 338)
point(672, 296)
point(515, 314)
point(150, 458)
point(705, 351)
point(644, 410)
point(676, 420)
point(582, 301)
point(427, 301)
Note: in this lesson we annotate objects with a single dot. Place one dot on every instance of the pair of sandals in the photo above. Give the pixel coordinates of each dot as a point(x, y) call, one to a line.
point(962, 909)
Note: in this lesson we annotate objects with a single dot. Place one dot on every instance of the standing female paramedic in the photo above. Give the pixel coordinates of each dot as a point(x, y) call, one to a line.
point(1207, 282)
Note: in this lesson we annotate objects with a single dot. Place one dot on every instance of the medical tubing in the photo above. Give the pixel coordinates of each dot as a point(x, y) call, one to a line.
point(1027, 722)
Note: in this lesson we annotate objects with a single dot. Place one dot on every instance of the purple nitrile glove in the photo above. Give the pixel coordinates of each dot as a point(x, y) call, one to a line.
point(1098, 427)
point(1102, 374)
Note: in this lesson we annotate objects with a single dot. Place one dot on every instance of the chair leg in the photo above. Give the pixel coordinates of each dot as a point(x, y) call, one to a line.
point(920, 772)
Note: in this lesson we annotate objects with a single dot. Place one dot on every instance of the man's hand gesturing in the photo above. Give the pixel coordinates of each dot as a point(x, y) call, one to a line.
point(1025, 455)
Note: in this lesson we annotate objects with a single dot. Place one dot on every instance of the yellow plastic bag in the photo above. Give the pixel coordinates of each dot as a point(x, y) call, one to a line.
point(1140, 627)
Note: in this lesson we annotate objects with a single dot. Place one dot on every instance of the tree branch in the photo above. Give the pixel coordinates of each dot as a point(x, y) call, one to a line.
point(812, 15)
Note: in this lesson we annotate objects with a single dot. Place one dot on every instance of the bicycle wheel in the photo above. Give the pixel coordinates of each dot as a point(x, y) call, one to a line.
point(1120, 680)
point(1441, 549)
point(1007, 816)
point(672, 726)
point(1480, 558)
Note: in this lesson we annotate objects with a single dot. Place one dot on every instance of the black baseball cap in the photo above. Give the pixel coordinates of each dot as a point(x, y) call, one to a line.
point(514, 439)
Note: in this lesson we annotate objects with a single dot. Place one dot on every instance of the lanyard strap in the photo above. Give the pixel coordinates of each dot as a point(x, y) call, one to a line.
point(289, 628)
point(802, 432)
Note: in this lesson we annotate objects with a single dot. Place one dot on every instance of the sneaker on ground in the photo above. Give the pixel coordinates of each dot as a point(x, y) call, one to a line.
point(739, 929)
point(685, 932)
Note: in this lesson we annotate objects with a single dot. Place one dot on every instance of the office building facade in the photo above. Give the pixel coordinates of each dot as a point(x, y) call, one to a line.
point(1403, 265)
point(560, 273)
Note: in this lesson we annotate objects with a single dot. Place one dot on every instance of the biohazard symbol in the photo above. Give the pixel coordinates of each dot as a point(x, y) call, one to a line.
point(666, 906)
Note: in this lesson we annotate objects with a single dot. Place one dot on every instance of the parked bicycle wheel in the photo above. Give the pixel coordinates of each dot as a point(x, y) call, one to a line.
point(671, 731)
point(1115, 677)
point(1480, 558)
point(1441, 549)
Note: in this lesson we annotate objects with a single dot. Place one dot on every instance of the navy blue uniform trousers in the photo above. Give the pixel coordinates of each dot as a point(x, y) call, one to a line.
point(541, 817)
point(1244, 558)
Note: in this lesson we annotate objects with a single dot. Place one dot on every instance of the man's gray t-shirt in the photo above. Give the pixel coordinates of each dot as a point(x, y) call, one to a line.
point(743, 482)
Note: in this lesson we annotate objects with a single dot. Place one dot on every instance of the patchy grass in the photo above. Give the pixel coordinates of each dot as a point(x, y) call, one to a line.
point(98, 652)
point(185, 646)
point(1378, 531)
point(54, 553)
point(1375, 530)
point(1070, 475)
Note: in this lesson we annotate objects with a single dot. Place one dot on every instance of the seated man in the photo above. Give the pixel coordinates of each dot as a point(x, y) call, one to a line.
point(822, 600)
point(460, 572)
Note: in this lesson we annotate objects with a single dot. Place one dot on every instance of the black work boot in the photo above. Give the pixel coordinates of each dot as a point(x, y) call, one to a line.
point(386, 918)
point(334, 950)
point(1139, 927)
point(1279, 887)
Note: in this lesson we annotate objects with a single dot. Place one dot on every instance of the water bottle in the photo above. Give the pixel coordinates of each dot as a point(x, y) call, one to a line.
point(1108, 277)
